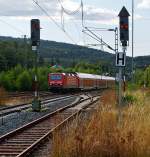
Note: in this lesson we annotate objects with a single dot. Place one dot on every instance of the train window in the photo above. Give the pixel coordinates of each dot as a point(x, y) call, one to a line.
point(55, 77)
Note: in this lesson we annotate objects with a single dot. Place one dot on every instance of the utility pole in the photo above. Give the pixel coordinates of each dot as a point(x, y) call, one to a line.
point(116, 39)
point(26, 51)
point(132, 41)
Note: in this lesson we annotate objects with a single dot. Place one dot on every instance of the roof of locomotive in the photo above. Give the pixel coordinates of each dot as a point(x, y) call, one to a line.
point(69, 74)
point(88, 76)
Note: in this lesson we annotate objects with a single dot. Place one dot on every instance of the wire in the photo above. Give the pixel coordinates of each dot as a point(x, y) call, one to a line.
point(63, 10)
point(13, 27)
point(82, 9)
point(62, 20)
point(69, 12)
point(46, 13)
point(73, 22)
point(91, 36)
point(97, 38)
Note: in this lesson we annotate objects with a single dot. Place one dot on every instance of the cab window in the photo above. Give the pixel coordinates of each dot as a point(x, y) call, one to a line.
point(55, 77)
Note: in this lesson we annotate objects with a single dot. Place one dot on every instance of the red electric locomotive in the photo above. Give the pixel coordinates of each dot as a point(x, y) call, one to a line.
point(78, 81)
point(63, 81)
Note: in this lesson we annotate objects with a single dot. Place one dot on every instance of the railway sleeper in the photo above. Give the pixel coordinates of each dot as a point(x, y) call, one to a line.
point(13, 147)
point(9, 153)
point(19, 142)
point(18, 150)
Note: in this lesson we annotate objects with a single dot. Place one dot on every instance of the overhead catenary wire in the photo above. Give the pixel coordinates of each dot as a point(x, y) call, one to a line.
point(91, 36)
point(72, 20)
point(100, 29)
point(49, 16)
point(62, 19)
point(13, 27)
point(97, 38)
point(82, 11)
point(89, 31)
point(70, 12)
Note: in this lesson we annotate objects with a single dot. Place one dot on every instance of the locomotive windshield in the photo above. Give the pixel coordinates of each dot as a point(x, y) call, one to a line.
point(55, 77)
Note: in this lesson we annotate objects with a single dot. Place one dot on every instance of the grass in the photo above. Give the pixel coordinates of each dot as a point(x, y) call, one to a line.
point(103, 136)
point(3, 96)
point(6, 100)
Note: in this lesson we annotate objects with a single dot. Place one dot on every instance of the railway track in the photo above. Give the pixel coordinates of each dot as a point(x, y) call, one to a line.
point(23, 141)
point(27, 94)
point(18, 108)
point(22, 107)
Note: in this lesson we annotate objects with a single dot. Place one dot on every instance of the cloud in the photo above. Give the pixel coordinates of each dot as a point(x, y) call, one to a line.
point(101, 15)
point(23, 9)
point(93, 13)
point(144, 4)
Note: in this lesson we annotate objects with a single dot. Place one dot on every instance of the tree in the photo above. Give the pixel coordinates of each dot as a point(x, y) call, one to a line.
point(147, 77)
point(139, 77)
point(6, 81)
point(3, 63)
point(24, 81)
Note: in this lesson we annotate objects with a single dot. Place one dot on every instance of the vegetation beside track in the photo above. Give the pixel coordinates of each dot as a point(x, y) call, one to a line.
point(20, 78)
point(3, 95)
point(103, 135)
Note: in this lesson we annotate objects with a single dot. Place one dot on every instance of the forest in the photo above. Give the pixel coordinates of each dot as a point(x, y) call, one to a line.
point(17, 62)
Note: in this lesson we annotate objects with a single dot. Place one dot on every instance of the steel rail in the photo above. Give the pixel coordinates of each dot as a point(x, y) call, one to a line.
point(49, 134)
point(18, 108)
point(5, 139)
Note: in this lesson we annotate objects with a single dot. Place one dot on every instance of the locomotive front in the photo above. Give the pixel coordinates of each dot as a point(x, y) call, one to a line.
point(55, 81)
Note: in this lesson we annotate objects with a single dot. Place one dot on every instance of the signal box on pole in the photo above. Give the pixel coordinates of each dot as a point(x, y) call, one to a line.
point(35, 32)
point(124, 26)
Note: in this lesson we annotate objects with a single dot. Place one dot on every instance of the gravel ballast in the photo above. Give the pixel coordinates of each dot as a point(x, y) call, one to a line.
point(16, 120)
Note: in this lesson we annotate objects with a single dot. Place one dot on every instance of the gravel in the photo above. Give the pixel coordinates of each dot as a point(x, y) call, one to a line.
point(16, 120)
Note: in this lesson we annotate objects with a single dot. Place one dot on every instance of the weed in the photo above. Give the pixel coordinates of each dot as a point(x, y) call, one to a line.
point(3, 96)
point(103, 136)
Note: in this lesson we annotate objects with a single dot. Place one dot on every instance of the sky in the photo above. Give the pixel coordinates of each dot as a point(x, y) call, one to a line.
point(15, 16)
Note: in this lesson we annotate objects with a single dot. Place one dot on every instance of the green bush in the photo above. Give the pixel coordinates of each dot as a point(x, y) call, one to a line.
point(5, 81)
point(43, 78)
point(129, 99)
point(132, 87)
point(24, 81)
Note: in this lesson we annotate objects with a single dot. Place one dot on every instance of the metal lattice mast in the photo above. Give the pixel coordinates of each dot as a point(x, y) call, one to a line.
point(116, 39)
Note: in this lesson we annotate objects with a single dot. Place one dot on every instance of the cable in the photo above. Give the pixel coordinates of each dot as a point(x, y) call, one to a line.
point(97, 38)
point(82, 9)
point(100, 29)
point(91, 36)
point(69, 12)
point(63, 10)
point(42, 9)
point(13, 27)
point(62, 20)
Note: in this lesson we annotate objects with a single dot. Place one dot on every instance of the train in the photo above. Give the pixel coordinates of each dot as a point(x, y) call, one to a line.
point(78, 81)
